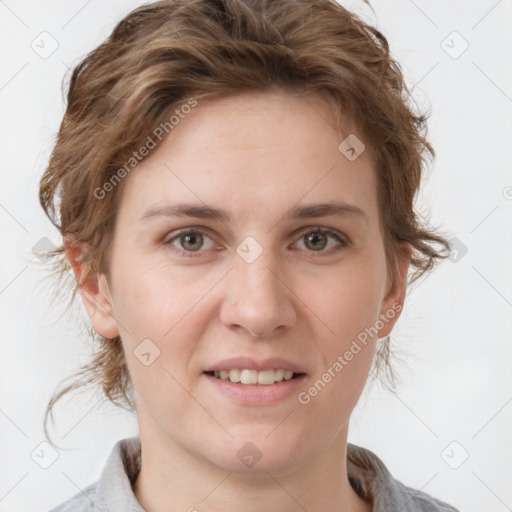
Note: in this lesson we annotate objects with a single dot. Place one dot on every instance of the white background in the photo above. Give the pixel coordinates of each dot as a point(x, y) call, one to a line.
point(454, 336)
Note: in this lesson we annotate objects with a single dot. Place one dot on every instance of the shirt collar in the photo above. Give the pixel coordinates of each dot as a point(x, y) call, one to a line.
point(114, 489)
point(367, 474)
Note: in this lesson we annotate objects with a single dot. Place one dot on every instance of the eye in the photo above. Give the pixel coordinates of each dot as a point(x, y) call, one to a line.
point(189, 241)
point(316, 239)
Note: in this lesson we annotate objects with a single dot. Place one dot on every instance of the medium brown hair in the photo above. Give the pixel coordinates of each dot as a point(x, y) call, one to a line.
point(163, 54)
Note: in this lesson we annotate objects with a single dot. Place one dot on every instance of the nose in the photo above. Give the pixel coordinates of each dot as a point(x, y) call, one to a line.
point(258, 299)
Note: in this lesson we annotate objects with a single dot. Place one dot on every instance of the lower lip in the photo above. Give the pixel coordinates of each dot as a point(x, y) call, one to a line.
point(258, 394)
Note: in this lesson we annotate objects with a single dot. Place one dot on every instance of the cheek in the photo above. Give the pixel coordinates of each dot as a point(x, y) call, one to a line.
point(169, 307)
point(350, 300)
point(156, 300)
point(349, 305)
point(159, 338)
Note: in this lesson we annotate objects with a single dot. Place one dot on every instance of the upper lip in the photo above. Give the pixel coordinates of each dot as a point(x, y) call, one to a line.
point(248, 363)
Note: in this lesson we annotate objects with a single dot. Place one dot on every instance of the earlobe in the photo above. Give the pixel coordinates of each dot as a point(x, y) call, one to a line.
point(95, 294)
point(393, 303)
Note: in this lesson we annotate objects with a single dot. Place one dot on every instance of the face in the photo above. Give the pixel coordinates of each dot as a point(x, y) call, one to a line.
point(219, 261)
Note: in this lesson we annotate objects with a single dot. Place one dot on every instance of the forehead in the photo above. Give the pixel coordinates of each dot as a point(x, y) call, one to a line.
point(268, 151)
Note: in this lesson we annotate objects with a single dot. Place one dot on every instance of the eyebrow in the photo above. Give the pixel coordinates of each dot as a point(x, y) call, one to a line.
point(204, 211)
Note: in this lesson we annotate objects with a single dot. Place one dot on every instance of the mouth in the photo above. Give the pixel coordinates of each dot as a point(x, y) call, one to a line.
point(255, 377)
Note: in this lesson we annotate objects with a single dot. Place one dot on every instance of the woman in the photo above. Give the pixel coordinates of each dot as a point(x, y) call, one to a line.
point(234, 183)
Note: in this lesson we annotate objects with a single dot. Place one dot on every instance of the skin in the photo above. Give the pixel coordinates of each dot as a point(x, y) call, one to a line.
point(256, 155)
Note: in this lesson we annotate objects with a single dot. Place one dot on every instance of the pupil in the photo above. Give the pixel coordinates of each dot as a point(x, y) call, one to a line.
point(314, 239)
point(189, 238)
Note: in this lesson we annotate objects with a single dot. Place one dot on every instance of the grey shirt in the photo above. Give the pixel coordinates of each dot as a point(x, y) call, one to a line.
point(367, 474)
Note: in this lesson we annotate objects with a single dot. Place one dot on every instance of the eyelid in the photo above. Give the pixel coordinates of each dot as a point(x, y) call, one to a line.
point(202, 230)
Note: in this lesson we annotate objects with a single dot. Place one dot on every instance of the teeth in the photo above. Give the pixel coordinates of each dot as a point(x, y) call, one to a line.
point(234, 375)
point(264, 377)
point(249, 377)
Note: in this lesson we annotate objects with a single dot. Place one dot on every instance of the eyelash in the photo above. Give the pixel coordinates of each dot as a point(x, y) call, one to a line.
point(315, 229)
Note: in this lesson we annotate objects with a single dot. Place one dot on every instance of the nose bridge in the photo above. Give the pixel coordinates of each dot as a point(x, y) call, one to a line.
point(256, 298)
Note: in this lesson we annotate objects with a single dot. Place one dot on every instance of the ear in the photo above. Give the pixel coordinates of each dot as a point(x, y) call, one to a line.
point(95, 293)
point(393, 302)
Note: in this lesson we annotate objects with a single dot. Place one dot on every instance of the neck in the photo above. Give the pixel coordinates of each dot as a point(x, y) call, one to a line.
point(174, 479)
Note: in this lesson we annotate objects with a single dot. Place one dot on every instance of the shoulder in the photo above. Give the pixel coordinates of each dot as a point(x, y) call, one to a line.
point(83, 501)
point(372, 480)
point(418, 501)
point(113, 491)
